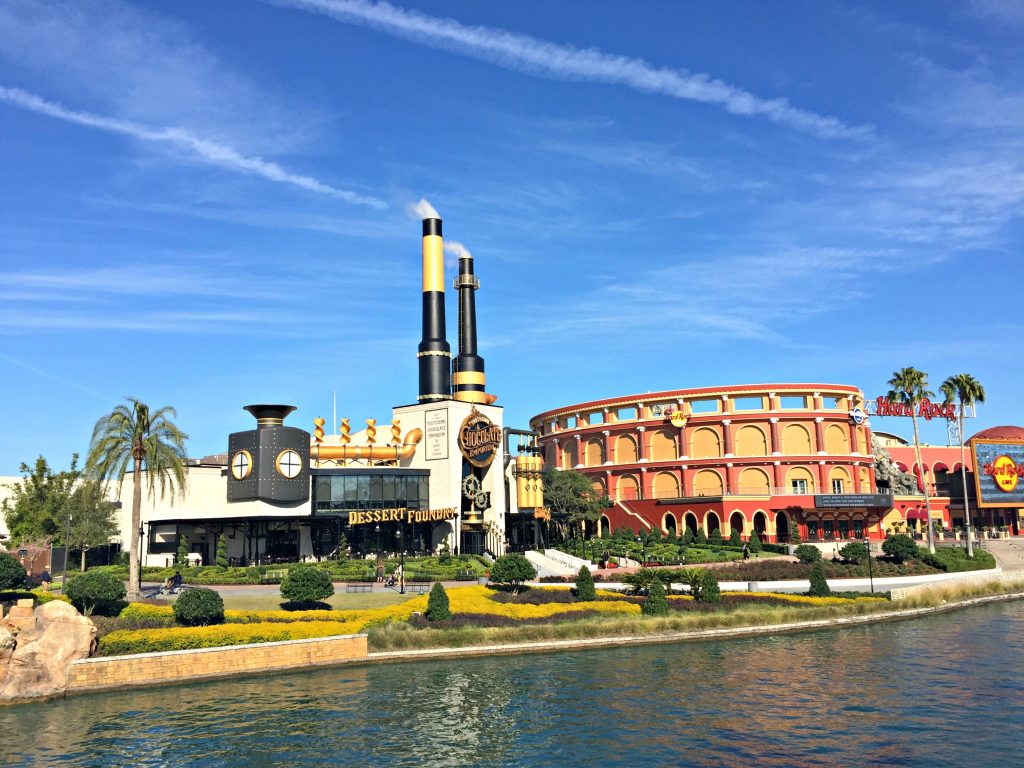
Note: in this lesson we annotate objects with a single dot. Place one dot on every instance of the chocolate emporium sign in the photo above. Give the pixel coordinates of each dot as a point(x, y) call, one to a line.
point(479, 439)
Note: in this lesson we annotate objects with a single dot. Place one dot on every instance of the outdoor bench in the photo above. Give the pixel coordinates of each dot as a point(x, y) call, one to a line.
point(359, 586)
point(274, 577)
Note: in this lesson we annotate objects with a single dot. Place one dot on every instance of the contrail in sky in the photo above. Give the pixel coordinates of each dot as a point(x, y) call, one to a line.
point(210, 151)
point(533, 56)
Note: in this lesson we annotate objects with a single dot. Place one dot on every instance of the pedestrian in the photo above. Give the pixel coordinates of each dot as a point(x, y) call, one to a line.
point(44, 580)
point(380, 571)
point(746, 551)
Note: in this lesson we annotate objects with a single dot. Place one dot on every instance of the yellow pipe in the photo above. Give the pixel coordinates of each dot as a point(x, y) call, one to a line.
point(374, 452)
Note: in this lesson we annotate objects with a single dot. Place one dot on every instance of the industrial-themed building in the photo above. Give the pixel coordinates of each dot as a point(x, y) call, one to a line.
point(444, 472)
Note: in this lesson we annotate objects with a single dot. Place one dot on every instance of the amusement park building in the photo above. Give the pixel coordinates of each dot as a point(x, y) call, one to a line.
point(764, 457)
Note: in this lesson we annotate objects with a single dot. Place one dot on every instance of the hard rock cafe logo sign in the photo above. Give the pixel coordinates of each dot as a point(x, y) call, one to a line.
point(926, 408)
point(1005, 472)
point(479, 439)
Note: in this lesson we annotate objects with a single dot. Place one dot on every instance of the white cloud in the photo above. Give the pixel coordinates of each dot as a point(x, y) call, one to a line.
point(532, 56)
point(210, 152)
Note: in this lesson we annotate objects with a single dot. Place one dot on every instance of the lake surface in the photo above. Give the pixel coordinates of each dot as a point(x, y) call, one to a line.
point(944, 691)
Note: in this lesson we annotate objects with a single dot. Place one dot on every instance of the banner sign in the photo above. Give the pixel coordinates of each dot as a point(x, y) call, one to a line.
point(843, 500)
point(999, 473)
point(436, 434)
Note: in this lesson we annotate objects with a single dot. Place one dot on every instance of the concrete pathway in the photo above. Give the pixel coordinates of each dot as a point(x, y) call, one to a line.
point(1009, 552)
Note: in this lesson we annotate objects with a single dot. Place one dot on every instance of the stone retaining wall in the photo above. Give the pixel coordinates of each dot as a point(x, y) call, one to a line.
point(965, 579)
point(206, 663)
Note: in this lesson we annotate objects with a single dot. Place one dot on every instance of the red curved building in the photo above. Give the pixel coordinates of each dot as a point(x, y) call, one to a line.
point(764, 457)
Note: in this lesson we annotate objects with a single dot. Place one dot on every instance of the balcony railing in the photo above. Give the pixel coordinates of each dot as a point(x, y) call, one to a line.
point(740, 490)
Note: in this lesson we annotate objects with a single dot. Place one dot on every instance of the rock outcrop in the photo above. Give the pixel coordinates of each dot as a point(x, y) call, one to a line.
point(36, 660)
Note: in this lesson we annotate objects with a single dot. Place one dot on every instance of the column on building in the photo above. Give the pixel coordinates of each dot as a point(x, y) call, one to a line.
point(819, 434)
point(579, 448)
point(726, 437)
point(823, 484)
point(607, 445)
point(641, 449)
point(778, 475)
point(776, 447)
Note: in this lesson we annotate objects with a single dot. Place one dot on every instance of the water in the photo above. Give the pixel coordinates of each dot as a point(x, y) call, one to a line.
point(944, 691)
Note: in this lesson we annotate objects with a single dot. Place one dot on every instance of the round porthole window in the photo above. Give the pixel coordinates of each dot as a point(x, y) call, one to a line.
point(289, 463)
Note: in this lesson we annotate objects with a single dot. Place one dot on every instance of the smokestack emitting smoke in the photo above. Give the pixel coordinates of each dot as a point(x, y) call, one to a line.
point(434, 353)
point(468, 368)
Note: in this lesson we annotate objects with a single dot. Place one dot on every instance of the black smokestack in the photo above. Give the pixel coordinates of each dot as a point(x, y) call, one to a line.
point(269, 416)
point(468, 368)
point(434, 353)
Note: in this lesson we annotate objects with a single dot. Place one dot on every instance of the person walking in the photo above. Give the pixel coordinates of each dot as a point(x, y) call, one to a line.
point(380, 571)
point(746, 551)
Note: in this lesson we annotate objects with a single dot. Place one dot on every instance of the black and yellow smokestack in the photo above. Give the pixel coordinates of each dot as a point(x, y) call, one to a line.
point(434, 353)
point(468, 380)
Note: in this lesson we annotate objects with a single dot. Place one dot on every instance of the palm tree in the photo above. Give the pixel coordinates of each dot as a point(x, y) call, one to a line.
point(966, 390)
point(909, 386)
point(152, 443)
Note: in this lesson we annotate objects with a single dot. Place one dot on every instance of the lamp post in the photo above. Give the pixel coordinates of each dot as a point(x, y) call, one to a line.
point(871, 576)
point(400, 535)
point(376, 530)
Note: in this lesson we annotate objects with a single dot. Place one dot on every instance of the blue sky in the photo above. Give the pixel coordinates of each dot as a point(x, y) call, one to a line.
point(206, 205)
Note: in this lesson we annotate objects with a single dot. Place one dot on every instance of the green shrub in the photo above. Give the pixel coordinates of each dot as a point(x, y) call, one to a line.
point(688, 537)
point(735, 539)
point(807, 553)
point(701, 539)
point(900, 548)
point(181, 556)
point(438, 607)
point(655, 604)
point(708, 590)
point(222, 552)
point(12, 575)
point(306, 584)
point(585, 585)
point(854, 552)
point(715, 539)
point(512, 569)
point(794, 535)
point(444, 556)
point(96, 592)
point(755, 542)
point(199, 607)
point(819, 586)
point(954, 559)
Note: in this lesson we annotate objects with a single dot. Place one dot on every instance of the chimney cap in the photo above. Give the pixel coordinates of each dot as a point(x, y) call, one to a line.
point(267, 414)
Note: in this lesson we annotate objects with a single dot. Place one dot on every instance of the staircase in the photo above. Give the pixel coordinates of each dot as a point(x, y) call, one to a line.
point(548, 566)
point(569, 561)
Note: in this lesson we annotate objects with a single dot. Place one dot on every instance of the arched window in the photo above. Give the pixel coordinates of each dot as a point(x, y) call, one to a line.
point(839, 481)
point(666, 486)
point(606, 526)
point(625, 450)
point(796, 441)
point(705, 444)
point(668, 523)
point(627, 488)
point(690, 521)
point(736, 523)
point(800, 480)
point(712, 523)
point(569, 459)
point(707, 483)
point(663, 446)
point(754, 482)
point(760, 524)
point(598, 485)
point(837, 440)
point(750, 441)
point(595, 452)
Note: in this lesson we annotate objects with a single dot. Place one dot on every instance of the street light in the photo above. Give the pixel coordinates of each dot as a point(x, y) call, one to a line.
point(399, 534)
point(871, 576)
point(376, 529)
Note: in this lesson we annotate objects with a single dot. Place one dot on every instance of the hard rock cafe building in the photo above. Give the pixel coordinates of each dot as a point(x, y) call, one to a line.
point(771, 458)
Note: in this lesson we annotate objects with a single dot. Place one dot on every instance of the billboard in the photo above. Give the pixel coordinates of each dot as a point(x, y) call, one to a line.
point(999, 473)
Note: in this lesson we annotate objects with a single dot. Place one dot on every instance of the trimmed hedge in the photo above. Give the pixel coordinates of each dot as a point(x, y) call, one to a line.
point(199, 607)
point(96, 592)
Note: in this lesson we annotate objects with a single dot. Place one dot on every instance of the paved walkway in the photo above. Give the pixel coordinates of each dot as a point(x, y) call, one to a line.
point(1009, 552)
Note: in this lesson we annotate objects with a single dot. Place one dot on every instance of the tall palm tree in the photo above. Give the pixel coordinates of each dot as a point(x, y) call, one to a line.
point(909, 386)
point(152, 443)
point(966, 390)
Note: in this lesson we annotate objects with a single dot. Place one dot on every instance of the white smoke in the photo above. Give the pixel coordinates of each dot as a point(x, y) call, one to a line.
point(454, 251)
point(424, 210)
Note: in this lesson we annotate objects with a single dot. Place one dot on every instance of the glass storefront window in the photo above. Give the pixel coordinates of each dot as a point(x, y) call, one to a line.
point(812, 529)
point(844, 529)
point(370, 491)
point(858, 529)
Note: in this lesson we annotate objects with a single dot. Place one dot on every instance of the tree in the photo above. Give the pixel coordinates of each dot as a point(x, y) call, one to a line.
point(704, 585)
point(966, 390)
point(909, 386)
point(735, 539)
point(512, 569)
point(701, 539)
point(438, 606)
point(715, 539)
point(855, 552)
point(93, 518)
point(585, 590)
point(571, 497)
point(900, 548)
point(181, 556)
point(819, 585)
point(150, 442)
point(655, 604)
point(37, 509)
point(222, 552)
point(807, 553)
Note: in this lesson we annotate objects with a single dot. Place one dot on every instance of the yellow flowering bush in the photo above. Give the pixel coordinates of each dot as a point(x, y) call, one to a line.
point(182, 638)
point(805, 600)
point(477, 600)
